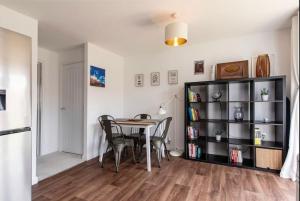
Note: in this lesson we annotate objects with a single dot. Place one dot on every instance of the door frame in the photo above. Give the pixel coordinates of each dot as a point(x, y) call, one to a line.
point(60, 138)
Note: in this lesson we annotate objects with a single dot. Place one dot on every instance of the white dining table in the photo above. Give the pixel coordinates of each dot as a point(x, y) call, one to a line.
point(147, 124)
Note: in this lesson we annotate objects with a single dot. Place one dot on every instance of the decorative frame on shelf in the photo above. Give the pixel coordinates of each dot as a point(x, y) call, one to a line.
point(232, 70)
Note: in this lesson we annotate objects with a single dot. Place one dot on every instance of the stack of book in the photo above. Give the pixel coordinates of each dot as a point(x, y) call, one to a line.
point(193, 97)
point(194, 114)
point(236, 156)
point(193, 133)
point(194, 151)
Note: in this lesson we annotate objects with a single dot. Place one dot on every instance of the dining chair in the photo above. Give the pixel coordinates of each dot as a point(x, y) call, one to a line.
point(136, 133)
point(108, 117)
point(118, 144)
point(158, 138)
point(115, 132)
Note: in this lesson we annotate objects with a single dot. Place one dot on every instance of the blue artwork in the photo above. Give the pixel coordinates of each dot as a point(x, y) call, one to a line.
point(97, 76)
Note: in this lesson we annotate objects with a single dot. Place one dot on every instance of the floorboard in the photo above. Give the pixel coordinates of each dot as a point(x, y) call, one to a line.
point(177, 179)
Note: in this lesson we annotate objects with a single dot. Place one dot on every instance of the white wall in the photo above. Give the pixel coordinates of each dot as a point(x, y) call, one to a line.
point(50, 100)
point(72, 55)
point(108, 100)
point(22, 24)
point(148, 98)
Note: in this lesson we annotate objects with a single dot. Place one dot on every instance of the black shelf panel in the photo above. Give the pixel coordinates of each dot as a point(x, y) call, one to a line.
point(270, 144)
point(242, 80)
point(269, 101)
point(213, 139)
point(236, 141)
point(239, 122)
point(249, 142)
point(239, 101)
point(246, 163)
point(202, 158)
point(211, 120)
point(197, 140)
point(278, 123)
point(205, 102)
point(217, 159)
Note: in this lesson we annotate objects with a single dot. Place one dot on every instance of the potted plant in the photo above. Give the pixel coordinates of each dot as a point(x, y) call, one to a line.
point(218, 135)
point(264, 94)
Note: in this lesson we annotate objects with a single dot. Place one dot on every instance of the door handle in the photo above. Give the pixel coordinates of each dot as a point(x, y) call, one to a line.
point(62, 108)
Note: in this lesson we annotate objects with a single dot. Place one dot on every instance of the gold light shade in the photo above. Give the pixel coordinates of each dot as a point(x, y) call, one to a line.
point(176, 34)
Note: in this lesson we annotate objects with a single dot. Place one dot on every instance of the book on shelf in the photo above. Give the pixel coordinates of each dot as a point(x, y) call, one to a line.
point(193, 97)
point(194, 114)
point(236, 156)
point(194, 151)
point(193, 133)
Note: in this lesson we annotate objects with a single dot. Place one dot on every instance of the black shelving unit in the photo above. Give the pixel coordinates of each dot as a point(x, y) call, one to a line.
point(218, 115)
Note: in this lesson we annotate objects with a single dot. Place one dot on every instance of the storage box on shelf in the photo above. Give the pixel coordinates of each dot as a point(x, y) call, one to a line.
point(214, 107)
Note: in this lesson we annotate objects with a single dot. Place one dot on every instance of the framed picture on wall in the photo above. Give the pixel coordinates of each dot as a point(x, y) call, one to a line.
point(199, 67)
point(139, 80)
point(97, 76)
point(173, 76)
point(155, 79)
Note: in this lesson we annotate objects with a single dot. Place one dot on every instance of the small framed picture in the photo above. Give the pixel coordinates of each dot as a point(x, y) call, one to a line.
point(199, 67)
point(155, 79)
point(139, 80)
point(97, 76)
point(173, 76)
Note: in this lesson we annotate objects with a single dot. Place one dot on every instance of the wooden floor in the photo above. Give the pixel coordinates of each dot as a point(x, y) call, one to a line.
point(177, 179)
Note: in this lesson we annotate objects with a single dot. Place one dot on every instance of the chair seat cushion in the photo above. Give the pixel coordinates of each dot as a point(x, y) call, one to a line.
point(134, 135)
point(152, 138)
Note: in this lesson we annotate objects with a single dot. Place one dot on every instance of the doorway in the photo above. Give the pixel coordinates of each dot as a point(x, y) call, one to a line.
point(65, 114)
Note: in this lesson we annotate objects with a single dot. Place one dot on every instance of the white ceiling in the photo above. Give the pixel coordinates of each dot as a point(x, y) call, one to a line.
point(129, 27)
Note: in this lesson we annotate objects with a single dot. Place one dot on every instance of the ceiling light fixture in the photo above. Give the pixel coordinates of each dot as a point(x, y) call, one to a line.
point(176, 33)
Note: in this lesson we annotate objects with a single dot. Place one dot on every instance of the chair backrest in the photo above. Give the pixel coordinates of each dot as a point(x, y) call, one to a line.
point(163, 127)
point(107, 127)
point(140, 116)
point(104, 117)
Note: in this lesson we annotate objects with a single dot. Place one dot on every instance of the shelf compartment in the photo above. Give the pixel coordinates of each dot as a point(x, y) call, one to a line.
point(246, 163)
point(247, 155)
point(235, 141)
point(217, 158)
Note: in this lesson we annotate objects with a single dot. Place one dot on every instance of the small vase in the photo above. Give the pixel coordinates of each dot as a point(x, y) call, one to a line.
point(263, 66)
point(218, 138)
point(265, 97)
point(238, 114)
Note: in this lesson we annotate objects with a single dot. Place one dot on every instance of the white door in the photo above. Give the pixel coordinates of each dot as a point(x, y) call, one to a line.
point(71, 122)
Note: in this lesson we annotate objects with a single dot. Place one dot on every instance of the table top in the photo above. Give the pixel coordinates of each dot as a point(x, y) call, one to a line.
point(137, 122)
